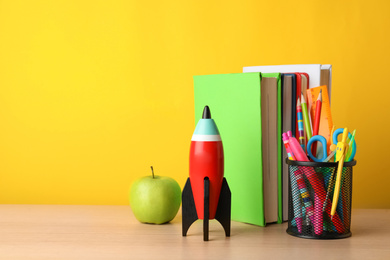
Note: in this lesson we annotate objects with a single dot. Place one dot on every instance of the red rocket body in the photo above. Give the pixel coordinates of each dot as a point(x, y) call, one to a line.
point(206, 160)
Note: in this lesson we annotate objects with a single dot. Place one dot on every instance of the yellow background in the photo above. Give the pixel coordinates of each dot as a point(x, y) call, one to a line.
point(94, 92)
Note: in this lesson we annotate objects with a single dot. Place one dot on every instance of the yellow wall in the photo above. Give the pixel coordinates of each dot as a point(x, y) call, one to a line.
point(94, 92)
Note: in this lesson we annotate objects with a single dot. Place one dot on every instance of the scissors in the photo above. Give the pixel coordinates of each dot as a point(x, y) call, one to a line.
point(322, 140)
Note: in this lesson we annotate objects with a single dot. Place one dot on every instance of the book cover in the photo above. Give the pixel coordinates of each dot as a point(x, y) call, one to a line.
point(234, 100)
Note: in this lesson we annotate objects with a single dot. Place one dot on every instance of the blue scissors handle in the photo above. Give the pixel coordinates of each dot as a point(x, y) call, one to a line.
point(336, 134)
point(322, 140)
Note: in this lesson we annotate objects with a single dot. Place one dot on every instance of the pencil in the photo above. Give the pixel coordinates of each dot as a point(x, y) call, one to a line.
point(301, 131)
point(317, 120)
point(306, 117)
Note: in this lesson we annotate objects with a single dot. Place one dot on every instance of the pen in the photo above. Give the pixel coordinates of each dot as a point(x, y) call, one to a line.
point(349, 152)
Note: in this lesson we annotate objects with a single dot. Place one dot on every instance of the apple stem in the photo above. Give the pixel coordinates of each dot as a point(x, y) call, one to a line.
point(152, 171)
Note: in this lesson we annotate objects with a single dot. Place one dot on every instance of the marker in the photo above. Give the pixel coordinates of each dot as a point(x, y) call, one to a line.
point(287, 146)
point(297, 208)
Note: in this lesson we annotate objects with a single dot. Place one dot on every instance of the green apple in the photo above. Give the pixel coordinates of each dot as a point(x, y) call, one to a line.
point(155, 199)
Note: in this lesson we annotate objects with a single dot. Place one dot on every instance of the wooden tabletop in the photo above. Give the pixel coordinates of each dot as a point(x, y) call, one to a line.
point(112, 232)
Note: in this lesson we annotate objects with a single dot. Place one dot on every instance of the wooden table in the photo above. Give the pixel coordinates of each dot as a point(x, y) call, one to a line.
point(112, 232)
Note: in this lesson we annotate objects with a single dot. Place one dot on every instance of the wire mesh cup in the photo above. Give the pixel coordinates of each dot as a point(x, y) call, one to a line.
point(311, 188)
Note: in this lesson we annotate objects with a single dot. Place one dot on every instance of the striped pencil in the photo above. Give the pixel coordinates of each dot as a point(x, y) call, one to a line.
point(301, 131)
point(306, 117)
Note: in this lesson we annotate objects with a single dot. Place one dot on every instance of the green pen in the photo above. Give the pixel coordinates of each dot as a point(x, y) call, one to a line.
point(350, 146)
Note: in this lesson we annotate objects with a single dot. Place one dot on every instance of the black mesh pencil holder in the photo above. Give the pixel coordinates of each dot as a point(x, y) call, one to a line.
point(311, 188)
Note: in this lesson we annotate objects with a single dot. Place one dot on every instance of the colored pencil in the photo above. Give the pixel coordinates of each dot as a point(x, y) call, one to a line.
point(301, 131)
point(306, 117)
point(317, 120)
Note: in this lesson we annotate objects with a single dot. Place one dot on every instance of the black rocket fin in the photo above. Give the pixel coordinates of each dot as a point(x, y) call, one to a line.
point(223, 214)
point(206, 209)
point(189, 214)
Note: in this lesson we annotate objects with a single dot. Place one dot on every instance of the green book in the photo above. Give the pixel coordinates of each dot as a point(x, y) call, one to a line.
point(235, 104)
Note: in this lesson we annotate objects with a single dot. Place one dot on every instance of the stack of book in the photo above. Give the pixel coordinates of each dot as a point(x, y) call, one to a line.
point(252, 109)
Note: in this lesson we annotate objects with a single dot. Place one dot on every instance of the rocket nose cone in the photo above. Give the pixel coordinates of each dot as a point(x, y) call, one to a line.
point(206, 113)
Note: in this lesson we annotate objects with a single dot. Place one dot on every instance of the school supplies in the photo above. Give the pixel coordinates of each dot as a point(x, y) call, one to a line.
point(308, 205)
point(313, 75)
point(306, 119)
point(270, 128)
point(339, 131)
point(288, 118)
point(350, 145)
point(253, 109)
point(330, 155)
point(237, 102)
point(328, 191)
point(293, 112)
point(340, 154)
point(330, 228)
point(297, 150)
point(322, 140)
point(332, 149)
point(304, 83)
point(317, 121)
point(301, 131)
point(319, 74)
point(316, 184)
point(287, 146)
point(294, 186)
point(304, 86)
point(242, 137)
point(352, 150)
point(326, 122)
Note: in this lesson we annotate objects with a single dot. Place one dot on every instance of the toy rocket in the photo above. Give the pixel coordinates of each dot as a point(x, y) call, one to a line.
point(206, 194)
